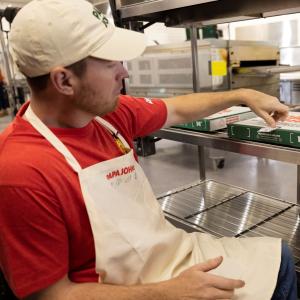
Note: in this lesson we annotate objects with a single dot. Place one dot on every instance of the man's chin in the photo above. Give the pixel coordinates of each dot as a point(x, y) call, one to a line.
point(110, 109)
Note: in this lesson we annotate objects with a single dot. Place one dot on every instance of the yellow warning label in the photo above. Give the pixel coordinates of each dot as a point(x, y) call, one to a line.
point(219, 68)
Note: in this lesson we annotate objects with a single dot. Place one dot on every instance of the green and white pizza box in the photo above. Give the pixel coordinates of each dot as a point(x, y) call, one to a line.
point(219, 120)
point(287, 133)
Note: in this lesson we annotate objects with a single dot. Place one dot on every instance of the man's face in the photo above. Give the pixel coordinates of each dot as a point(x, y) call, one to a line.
point(99, 88)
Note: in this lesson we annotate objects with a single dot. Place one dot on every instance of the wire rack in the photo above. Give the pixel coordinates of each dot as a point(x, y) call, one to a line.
point(224, 210)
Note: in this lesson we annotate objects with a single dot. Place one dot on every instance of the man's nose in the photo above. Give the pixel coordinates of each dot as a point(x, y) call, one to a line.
point(123, 73)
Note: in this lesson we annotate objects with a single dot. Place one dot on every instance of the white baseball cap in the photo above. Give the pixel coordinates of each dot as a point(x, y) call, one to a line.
point(50, 33)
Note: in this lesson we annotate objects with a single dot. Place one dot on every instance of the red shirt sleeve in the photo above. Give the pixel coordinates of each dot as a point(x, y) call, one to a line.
point(139, 116)
point(33, 240)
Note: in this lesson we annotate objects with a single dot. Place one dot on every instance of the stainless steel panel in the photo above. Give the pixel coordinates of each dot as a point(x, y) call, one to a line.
point(290, 55)
point(220, 140)
point(176, 13)
point(239, 214)
point(141, 7)
point(201, 197)
point(285, 226)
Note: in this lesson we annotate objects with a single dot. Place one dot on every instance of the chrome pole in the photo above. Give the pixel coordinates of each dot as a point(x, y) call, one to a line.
point(196, 87)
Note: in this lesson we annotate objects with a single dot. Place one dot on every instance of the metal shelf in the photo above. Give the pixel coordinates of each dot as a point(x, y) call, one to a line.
point(224, 210)
point(201, 12)
point(220, 140)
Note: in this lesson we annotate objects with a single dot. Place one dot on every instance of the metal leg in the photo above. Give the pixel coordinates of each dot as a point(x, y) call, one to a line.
point(201, 156)
point(298, 184)
point(196, 75)
point(196, 85)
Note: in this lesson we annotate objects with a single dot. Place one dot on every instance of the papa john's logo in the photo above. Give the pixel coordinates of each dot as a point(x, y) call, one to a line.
point(120, 172)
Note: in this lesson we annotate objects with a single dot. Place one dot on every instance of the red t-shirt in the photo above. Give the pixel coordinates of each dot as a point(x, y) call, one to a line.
point(45, 230)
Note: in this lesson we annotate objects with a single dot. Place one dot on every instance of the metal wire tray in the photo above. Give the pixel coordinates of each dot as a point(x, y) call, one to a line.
point(190, 201)
point(224, 210)
point(286, 226)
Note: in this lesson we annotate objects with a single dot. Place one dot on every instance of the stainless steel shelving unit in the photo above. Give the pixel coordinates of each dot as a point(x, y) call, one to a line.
point(210, 206)
point(220, 140)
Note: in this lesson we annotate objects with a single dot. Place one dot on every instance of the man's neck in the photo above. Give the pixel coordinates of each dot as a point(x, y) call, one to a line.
point(59, 113)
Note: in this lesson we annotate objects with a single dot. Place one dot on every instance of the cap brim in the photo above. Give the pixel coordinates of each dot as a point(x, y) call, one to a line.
point(121, 46)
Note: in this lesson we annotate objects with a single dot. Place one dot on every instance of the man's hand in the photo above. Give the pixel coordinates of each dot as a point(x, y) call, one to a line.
point(196, 284)
point(265, 106)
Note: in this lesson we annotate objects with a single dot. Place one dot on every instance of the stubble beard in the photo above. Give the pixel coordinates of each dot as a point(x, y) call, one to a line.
point(88, 102)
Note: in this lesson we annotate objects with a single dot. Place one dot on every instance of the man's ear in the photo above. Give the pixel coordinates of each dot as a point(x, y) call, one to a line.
point(63, 80)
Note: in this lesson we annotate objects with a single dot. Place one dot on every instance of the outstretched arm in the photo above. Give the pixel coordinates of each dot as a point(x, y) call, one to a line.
point(187, 108)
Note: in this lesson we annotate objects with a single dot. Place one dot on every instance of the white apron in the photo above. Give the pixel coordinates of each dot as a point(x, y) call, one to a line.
point(135, 244)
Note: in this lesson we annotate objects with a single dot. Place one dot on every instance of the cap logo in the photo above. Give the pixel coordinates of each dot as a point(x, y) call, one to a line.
point(100, 16)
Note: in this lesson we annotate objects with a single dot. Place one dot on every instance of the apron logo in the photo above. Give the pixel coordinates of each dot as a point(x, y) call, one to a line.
point(148, 100)
point(120, 172)
point(100, 16)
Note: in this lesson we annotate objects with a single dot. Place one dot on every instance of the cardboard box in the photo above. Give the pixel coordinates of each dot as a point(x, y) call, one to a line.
point(287, 133)
point(219, 120)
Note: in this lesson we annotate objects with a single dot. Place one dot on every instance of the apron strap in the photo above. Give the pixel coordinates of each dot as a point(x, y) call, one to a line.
point(113, 130)
point(33, 119)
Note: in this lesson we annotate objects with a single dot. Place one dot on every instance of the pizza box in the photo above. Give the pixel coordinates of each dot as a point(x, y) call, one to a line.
point(287, 133)
point(219, 120)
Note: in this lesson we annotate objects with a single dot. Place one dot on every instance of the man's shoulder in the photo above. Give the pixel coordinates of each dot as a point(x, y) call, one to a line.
point(25, 157)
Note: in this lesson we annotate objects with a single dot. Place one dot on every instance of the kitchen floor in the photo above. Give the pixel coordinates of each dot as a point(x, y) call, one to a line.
point(176, 164)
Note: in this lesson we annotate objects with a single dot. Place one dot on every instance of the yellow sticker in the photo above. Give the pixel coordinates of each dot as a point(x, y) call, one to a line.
point(219, 68)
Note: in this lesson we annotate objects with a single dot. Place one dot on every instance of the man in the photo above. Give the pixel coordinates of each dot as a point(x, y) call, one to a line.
point(78, 217)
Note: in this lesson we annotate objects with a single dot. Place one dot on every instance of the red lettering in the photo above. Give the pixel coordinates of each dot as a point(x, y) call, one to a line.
point(123, 171)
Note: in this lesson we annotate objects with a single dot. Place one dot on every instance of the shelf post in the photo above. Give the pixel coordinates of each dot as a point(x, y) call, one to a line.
point(196, 87)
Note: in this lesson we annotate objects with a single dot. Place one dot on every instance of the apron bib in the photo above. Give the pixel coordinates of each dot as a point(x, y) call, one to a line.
point(135, 244)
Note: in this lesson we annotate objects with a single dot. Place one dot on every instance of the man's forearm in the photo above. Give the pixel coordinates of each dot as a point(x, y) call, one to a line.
point(92, 291)
point(66, 290)
point(194, 283)
point(191, 107)
point(187, 108)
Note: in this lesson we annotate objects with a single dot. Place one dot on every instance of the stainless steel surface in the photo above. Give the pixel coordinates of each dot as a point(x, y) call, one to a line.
point(220, 140)
point(243, 214)
point(290, 89)
point(196, 88)
point(290, 55)
point(166, 70)
point(195, 60)
point(239, 214)
point(267, 71)
point(187, 202)
point(285, 226)
point(142, 7)
point(176, 13)
point(201, 161)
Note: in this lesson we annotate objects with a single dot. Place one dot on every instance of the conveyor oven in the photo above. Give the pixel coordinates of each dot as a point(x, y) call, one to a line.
point(166, 70)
